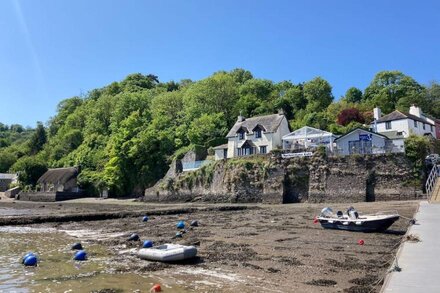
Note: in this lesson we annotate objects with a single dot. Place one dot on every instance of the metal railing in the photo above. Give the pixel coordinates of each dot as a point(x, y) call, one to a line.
point(191, 166)
point(432, 178)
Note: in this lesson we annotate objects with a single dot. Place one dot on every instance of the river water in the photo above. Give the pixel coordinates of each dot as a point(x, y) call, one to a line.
point(56, 270)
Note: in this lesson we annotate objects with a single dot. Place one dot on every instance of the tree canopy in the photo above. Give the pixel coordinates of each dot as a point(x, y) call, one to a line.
point(125, 134)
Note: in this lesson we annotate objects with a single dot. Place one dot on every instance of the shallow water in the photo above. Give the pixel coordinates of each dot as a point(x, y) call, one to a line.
point(57, 271)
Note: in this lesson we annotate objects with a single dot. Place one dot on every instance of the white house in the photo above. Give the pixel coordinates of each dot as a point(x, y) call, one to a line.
point(256, 135)
point(403, 124)
point(308, 137)
point(361, 141)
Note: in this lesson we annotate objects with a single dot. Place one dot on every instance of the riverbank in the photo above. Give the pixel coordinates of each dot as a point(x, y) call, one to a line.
point(265, 248)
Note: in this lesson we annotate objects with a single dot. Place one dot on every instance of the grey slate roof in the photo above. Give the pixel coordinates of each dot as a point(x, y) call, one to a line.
point(358, 128)
point(397, 115)
point(220, 147)
point(268, 122)
point(58, 175)
point(392, 134)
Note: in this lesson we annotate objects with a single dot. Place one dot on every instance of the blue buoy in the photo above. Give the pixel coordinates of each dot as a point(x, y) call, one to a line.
point(133, 237)
point(147, 244)
point(77, 246)
point(145, 219)
point(30, 261)
point(180, 225)
point(80, 255)
point(194, 223)
point(26, 256)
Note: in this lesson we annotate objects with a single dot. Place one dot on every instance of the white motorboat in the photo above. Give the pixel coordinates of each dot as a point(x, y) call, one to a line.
point(352, 221)
point(168, 252)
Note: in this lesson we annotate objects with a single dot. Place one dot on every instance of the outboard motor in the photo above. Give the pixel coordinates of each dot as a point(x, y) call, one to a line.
point(327, 212)
point(339, 214)
point(352, 213)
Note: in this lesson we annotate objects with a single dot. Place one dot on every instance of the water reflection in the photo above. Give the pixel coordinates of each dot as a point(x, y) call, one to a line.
point(57, 272)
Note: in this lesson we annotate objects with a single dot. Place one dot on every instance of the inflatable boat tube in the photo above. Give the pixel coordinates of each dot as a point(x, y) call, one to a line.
point(168, 252)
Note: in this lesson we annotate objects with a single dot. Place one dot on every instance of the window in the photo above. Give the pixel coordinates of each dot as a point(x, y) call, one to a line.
point(263, 149)
point(388, 125)
point(258, 133)
point(432, 128)
point(415, 123)
point(241, 135)
point(423, 126)
point(239, 152)
point(225, 153)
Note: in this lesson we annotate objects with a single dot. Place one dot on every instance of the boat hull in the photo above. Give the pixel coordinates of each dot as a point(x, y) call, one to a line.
point(379, 225)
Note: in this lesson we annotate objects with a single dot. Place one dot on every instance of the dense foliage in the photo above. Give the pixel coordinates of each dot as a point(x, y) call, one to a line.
point(124, 134)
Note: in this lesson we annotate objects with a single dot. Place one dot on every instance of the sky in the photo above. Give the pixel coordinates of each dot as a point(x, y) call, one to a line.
point(52, 50)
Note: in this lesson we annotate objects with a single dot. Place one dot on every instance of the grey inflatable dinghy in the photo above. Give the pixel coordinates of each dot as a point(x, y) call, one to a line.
point(168, 252)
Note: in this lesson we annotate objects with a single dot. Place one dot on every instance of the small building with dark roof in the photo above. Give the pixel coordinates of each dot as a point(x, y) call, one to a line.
point(363, 142)
point(60, 179)
point(255, 135)
point(6, 179)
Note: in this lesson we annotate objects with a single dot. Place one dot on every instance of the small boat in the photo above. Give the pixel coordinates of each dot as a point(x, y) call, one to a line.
point(352, 221)
point(168, 252)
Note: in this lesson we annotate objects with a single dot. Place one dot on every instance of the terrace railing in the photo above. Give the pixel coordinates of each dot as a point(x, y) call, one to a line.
point(432, 178)
point(192, 166)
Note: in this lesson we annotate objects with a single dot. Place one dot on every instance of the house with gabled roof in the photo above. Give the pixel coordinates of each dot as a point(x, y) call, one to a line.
point(255, 135)
point(363, 142)
point(404, 124)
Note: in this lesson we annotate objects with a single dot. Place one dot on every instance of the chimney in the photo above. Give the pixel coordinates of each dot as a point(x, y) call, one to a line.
point(377, 113)
point(416, 111)
point(240, 118)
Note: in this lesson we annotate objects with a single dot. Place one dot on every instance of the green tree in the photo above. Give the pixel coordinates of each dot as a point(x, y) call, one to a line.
point(215, 94)
point(392, 89)
point(7, 159)
point(207, 129)
point(318, 93)
point(29, 170)
point(433, 99)
point(353, 95)
point(38, 139)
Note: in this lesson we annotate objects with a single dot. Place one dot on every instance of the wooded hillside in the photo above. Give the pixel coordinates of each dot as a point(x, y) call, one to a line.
point(123, 135)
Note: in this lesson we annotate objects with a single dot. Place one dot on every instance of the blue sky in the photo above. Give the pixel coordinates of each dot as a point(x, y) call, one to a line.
point(52, 50)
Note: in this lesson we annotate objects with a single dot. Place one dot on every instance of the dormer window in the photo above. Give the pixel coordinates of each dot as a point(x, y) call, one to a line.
point(241, 131)
point(258, 133)
point(258, 130)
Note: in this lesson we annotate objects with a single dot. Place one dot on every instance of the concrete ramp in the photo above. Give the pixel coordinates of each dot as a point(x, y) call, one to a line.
point(419, 261)
point(436, 192)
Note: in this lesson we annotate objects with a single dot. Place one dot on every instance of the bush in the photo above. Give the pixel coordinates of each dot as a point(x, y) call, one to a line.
point(29, 169)
point(416, 149)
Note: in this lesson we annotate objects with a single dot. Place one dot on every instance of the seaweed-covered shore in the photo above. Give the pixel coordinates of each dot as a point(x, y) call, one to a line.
point(253, 248)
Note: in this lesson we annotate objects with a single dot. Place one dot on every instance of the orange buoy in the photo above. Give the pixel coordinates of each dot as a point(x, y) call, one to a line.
point(361, 242)
point(155, 288)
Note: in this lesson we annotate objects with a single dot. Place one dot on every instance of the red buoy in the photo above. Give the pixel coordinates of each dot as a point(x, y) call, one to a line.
point(361, 242)
point(315, 220)
point(156, 288)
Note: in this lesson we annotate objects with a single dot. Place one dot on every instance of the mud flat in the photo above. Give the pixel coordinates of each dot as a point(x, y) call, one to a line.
point(252, 248)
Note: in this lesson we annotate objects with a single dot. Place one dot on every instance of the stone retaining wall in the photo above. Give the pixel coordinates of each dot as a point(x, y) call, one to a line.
point(48, 196)
point(275, 180)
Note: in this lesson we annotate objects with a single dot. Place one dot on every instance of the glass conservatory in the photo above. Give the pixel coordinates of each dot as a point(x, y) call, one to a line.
point(308, 138)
